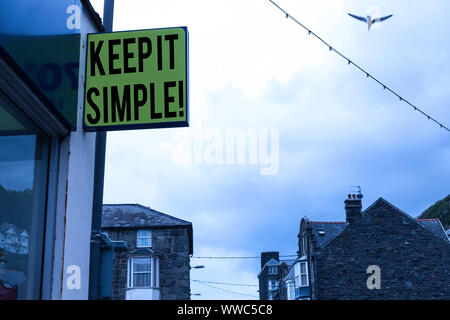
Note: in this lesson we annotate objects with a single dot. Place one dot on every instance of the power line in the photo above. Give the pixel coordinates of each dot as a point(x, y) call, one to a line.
point(229, 291)
point(367, 74)
point(289, 257)
point(227, 283)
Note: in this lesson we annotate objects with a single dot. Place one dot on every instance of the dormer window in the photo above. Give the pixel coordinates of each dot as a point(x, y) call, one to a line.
point(144, 239)
point(273, 270)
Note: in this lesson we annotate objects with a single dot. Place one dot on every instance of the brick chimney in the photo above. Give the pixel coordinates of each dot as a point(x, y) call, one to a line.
point(353, 208)
point(266, 256)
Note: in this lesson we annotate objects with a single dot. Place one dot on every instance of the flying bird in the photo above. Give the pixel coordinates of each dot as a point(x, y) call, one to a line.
point(369, 20)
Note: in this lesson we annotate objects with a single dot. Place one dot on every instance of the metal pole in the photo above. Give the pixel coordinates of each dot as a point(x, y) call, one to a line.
point(99, 174)
point(108, 13)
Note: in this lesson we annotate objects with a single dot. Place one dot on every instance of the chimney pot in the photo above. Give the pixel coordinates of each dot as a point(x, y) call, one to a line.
point(353, 208)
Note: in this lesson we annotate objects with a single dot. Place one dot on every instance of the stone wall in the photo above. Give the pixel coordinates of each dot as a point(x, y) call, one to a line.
point(263, 280)
point(413, 261)
point(174, 268)
point(264, 276)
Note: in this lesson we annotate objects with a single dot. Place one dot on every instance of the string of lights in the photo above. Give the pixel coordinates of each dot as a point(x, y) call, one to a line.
point(226, 283)
point(249, 257)
point(367, 74)
point(226, 290)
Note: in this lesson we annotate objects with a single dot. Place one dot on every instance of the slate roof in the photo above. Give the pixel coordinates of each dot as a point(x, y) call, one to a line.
point(136, 215)
point(290, 275)
point(289, 262)
point(330, 231)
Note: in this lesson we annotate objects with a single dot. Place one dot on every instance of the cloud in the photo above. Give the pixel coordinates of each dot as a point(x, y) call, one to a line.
point(253, 69)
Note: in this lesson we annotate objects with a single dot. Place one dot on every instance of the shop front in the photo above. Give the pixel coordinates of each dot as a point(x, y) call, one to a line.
point(46, 158)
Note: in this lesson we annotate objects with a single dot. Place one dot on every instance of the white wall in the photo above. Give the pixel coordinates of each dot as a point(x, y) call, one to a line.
point(142, 294)
point(75, 195)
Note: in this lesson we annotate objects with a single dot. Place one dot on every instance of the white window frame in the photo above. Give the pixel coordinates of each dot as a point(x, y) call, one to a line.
point(154, 272)
point(141, 237)
point(305, 274)
point(298, 274)
point(290, 288)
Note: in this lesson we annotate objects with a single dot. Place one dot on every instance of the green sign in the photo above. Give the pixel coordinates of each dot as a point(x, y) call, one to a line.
point(137, 80)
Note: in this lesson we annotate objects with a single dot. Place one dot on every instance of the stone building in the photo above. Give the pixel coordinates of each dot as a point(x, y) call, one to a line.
point(157, 262)
point(380, 253)
point(273, 270)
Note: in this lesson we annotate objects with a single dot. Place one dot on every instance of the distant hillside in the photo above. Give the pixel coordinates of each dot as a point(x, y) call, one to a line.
point(16, 207)
point(441, 210)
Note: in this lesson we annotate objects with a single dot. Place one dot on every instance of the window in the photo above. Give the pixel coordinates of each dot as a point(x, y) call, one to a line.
point(23, 187)
point(303, 245)
point(273, 270)
point(143, 272)
point(301, 275)
point(30, 136)
point(290, 290)
point(272, 284)
point(144, 239)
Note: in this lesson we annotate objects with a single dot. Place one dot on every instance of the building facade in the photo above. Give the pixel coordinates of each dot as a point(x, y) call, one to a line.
point(273, 271)
point(156, 264)
point(380, 253)
point(47, 160)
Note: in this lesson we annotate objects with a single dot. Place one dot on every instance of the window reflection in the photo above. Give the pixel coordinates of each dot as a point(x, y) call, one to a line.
point(22, 203)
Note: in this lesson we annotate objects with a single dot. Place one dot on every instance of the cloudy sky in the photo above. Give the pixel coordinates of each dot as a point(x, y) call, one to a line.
point(328, 126)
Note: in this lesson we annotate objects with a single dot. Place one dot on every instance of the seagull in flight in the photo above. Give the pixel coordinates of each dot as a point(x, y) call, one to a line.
point(369, 20)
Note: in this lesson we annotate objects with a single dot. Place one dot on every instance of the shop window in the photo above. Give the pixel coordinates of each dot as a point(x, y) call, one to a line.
point(23, 183)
